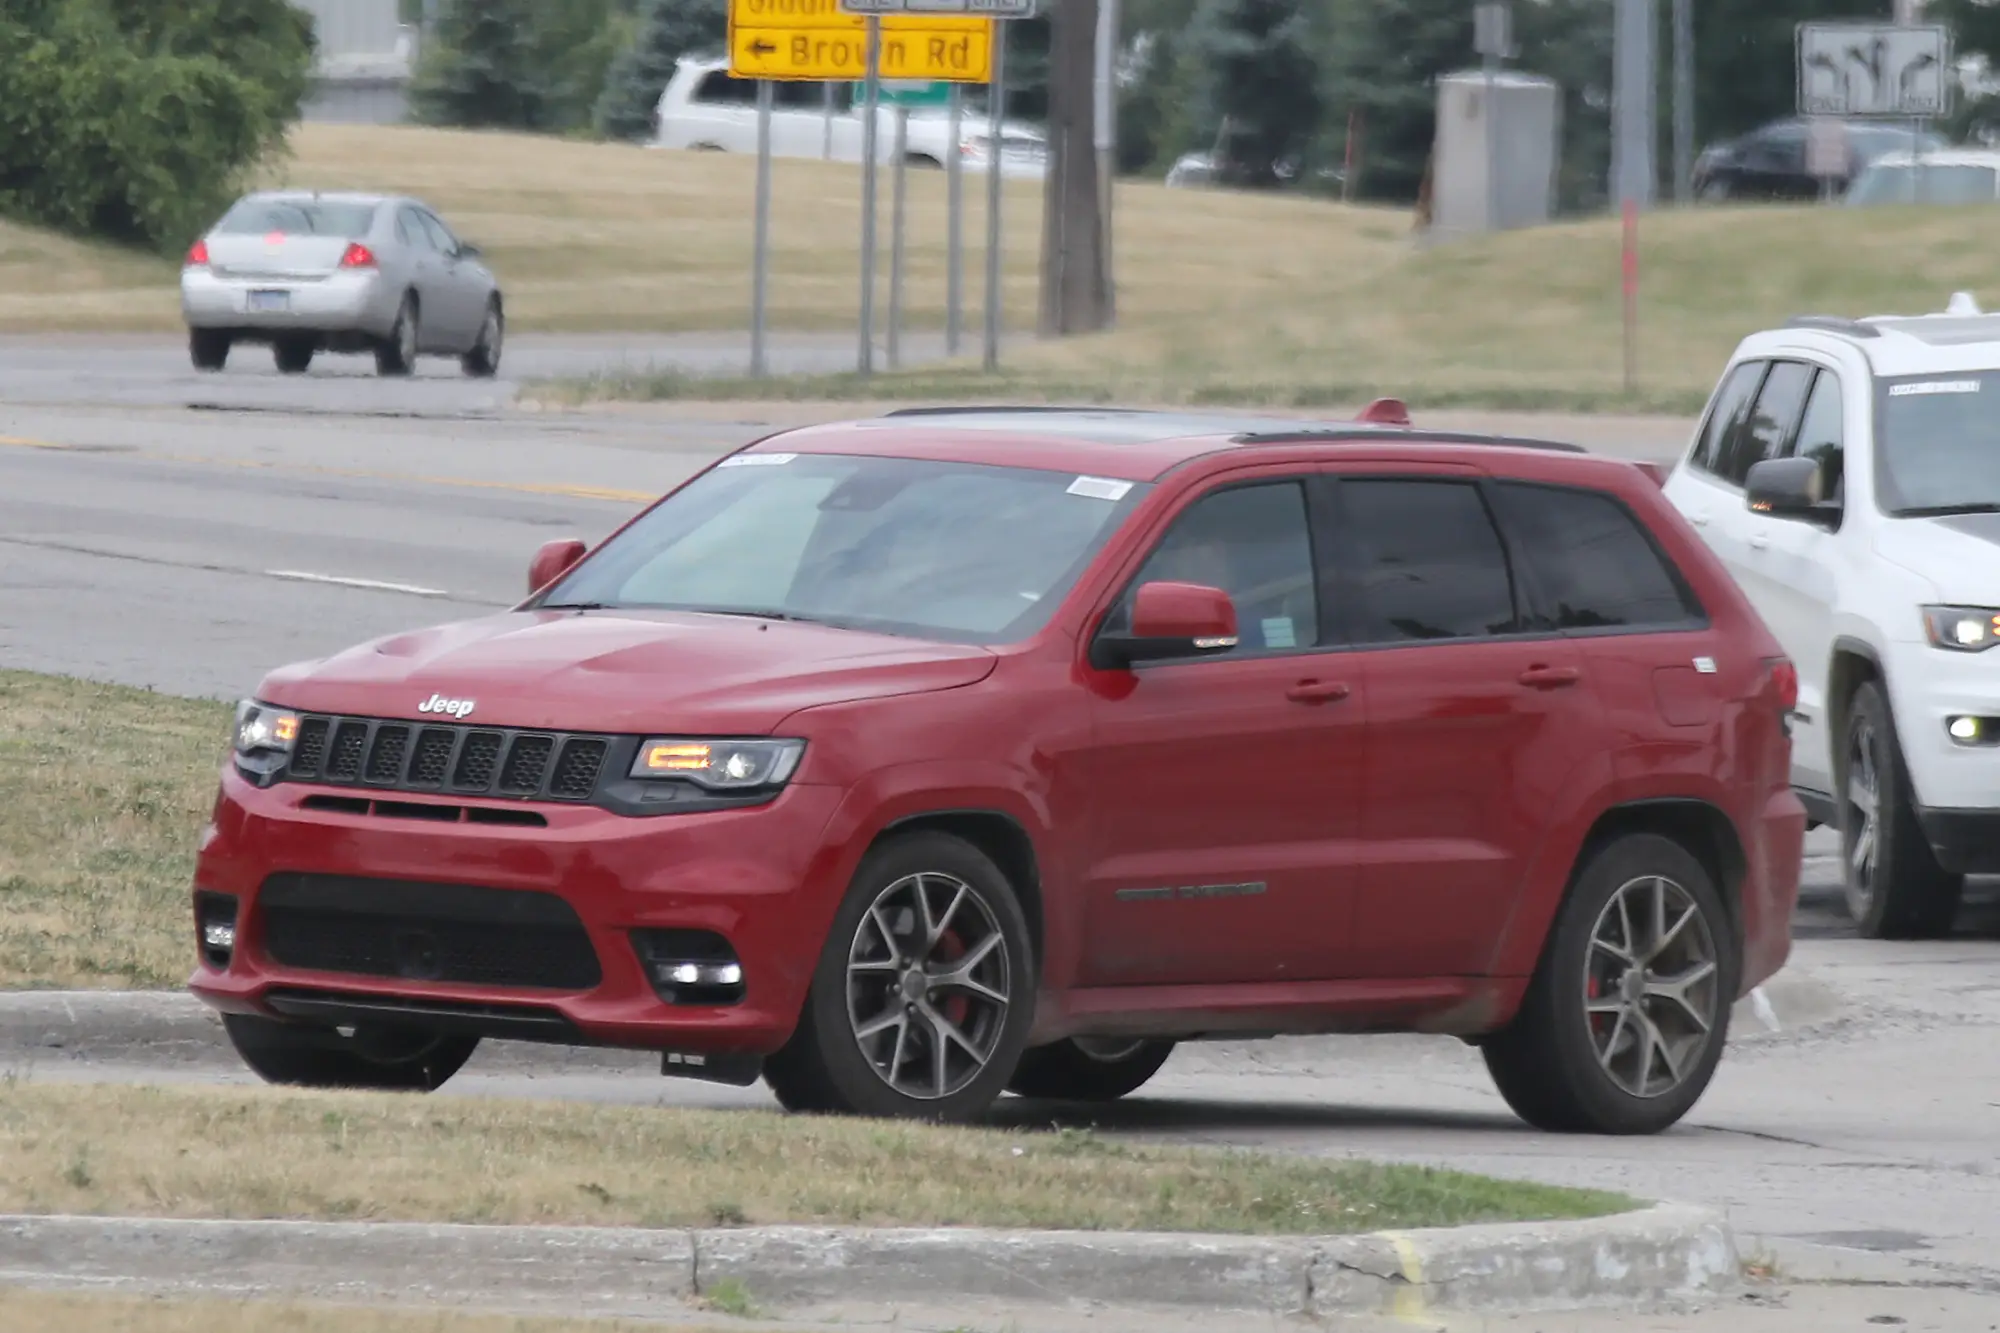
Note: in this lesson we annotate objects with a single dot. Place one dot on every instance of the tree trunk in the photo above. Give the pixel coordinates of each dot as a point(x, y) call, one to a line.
point(1075, 287)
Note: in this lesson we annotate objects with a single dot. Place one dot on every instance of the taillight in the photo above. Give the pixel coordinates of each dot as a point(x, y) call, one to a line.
point(1785, 680)
point(198, 255)
point(357, 256)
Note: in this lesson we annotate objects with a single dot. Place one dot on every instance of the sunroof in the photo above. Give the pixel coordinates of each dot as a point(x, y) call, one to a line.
point(1109, 425)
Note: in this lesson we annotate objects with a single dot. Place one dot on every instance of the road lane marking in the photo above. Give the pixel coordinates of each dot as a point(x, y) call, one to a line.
point(23, 442)
point(377, 585)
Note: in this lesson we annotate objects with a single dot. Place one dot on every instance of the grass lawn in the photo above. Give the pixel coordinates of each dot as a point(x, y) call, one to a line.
point(268, 1153)
point(104, 791)
point(51, 1312)
point(1222, 297)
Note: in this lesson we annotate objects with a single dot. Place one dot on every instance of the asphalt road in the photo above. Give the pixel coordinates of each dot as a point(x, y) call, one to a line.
point(190, 549)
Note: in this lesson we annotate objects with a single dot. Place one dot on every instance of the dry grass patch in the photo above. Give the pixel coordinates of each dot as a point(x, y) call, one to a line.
point(103, 792)
point(51, 1312)
point(277, 1153)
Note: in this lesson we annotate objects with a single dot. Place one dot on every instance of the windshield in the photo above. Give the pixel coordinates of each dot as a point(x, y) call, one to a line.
point(1903, 183)
point(298, 217)
point(955, 551)
point(1938, 443)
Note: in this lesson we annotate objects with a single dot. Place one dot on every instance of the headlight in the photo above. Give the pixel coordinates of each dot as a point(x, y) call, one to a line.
point(1965, 629)
point(262, 729)
point(719, 765)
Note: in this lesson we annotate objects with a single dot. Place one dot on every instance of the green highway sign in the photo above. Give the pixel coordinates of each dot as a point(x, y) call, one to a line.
point(906, 92)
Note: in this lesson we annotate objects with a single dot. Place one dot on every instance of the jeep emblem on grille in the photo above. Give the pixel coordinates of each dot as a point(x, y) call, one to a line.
point(437, 703)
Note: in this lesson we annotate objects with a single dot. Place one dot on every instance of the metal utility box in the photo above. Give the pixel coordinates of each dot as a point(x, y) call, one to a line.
point(1524, 119)
point(366, 58)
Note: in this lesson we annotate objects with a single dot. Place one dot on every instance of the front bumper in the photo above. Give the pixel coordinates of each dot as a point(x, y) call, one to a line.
point(1928, 687)
point(1966, 842)
point(757, 877)
point(342, 302)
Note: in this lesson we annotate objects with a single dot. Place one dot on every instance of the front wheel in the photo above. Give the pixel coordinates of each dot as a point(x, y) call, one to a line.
point(1088, 1069)
point(1627, 1014)
point(1895, 886)
point(383, 1059)
point(924, 992)
point(483, 361)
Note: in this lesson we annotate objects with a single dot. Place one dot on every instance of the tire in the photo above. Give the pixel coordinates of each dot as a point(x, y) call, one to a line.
point(293, 355)
point(922, 162)
point(1083, 1070)
point(483, 361)
point(1546, 1063)
point(208, 348)
point(379, 1059)
point(397, 353)
point(824, 1067)
point(1895, 887)
point(1715, 192)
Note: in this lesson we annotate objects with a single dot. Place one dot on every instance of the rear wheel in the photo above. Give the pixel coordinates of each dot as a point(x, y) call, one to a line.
point(293, 355)
point(385, 1059)
point(483, 361)
point(1628, 1012)
point(1088, 1069)
point(208, 348)
point(397, 353)
point(924, 992)
point(1895, 887)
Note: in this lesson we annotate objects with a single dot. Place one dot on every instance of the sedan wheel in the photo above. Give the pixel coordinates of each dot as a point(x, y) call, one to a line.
point(397, 354)
point(483, 361)
point(1628, 1012)
point(924, 992)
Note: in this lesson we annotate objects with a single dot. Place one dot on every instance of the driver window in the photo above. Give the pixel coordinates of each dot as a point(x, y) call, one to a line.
point(1820, 434)
point(1253, 542)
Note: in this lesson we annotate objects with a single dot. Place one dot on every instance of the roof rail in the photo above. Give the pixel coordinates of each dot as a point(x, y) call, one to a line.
point(1363, 434)
point(1853, 328)
point(975, 410)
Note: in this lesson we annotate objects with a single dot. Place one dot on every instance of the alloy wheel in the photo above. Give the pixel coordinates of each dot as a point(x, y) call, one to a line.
point(1652, 986)
point(1861, 830)
point(928, 985)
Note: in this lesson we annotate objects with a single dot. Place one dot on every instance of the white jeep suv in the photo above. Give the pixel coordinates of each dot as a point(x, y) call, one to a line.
point(1848, 473)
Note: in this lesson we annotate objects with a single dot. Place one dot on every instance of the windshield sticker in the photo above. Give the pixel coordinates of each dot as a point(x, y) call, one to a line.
point(1100, 488)
point(1934, 386)
point(1278, 633)
point(756, 460)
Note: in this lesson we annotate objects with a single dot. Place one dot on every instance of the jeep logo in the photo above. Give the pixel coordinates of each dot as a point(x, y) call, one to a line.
point(437, 703)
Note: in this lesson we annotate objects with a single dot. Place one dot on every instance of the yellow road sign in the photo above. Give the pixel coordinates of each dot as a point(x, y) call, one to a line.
point(813, 40)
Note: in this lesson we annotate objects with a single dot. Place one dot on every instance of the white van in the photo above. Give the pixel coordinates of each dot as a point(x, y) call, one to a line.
point(706, 109)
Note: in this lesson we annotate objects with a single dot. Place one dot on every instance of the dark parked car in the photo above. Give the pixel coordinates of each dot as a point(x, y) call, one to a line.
point(1770, 162)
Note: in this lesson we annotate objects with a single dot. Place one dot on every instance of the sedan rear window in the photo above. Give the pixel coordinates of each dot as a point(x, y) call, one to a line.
point(303, 217)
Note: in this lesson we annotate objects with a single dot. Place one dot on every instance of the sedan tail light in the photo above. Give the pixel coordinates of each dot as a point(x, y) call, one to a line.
point(357, 256)
point(197, 256)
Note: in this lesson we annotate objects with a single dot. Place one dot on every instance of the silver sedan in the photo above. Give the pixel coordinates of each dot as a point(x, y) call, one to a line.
point(307, 272)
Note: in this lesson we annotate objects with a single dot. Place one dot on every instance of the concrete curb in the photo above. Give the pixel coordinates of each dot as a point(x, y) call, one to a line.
point(1668, 1254)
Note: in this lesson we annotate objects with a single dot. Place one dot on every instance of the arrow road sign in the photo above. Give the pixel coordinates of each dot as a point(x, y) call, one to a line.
point(1873, 69)
point(992, 9)
point(814, 40)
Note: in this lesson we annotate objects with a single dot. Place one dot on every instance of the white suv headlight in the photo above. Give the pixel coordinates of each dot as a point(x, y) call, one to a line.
point(1965, 629)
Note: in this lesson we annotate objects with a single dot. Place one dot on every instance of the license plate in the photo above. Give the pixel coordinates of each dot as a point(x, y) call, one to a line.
point(270, 300)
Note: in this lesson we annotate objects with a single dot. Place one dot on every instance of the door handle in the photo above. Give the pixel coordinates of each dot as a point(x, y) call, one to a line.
point(1317, 692)
point(1759, 540)
point(1550, 678)
point(1698, 517)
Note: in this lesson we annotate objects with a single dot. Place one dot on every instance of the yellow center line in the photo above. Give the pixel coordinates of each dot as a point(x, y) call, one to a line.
point(566, 489)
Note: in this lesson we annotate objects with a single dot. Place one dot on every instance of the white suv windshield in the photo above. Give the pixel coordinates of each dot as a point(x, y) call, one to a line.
point(1938, 443)
point(1934, 184)
point(955, 551)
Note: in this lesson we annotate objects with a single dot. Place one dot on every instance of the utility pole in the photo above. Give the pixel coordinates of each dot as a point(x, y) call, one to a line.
point(1075, 291)
point(1683, 101)
point(1634, 97)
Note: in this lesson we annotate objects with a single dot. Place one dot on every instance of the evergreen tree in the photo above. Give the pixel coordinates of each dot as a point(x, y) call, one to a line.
point(1256, 80)
point(483, 66)
point(668, 30)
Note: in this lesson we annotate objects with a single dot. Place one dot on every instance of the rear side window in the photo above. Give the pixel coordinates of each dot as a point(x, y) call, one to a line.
point(1426, 561)
point(1592, 564)
point(721, 87)
point(297, 217)
point(1768, 429)
point(1725, 420)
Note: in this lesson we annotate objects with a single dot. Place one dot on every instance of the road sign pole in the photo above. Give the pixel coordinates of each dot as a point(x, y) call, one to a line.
point(1633, 101)
point(1106, 113)
point(826, 129)
point(761, 261)
point(1683, 101)
point(996, 95)
point(899, 170)
point(954, 243)
point(871, 96)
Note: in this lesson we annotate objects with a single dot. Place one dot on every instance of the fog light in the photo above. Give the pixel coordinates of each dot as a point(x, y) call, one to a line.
point(215, 927)
point(1963, 728)
point(690, 966)
point(219, 935)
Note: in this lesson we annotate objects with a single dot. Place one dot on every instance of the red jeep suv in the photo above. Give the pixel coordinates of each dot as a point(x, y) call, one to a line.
point(905, 761)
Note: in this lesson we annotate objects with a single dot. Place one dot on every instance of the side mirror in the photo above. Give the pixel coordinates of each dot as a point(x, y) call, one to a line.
point(552, 562)
point(1784, 487)
point(466, 251)
point(1170, 620)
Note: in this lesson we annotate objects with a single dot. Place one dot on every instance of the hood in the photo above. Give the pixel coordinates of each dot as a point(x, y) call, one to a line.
point(1958, 555)
point(624, 671)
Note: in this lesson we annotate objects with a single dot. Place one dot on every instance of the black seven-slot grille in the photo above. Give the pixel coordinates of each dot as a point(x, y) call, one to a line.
point(463, 760)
